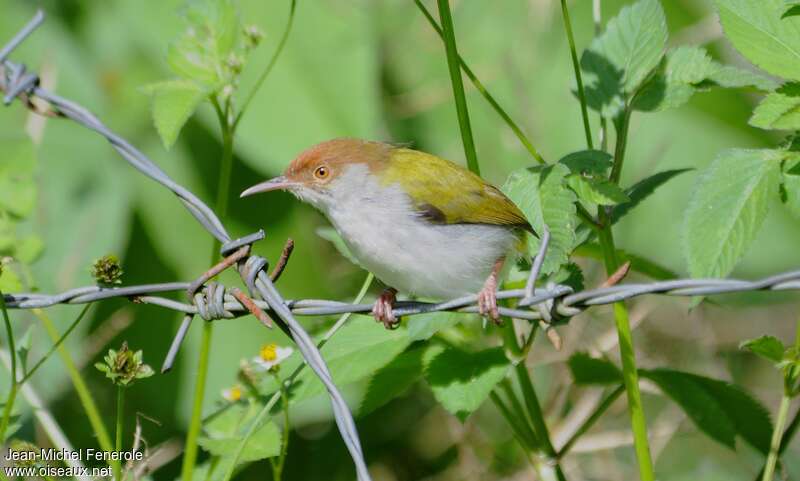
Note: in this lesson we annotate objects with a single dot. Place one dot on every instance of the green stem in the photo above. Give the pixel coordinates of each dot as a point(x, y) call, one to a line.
point(453, 66)
point(84, 395)
point(524, 438)
point(274, 399)
point(277, 467)
point(577, 67)
point(621, 124)
point(12, 393)
point(777, 434)
point(598, 412)
point(223, 189)
point(265, 73)
point(627, 353)
point(55, 345)
point(537, 417)
point(482, 90)
point(516, 407)
point(120, 427)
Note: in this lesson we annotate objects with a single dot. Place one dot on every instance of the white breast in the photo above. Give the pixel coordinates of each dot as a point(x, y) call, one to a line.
point(403, 250)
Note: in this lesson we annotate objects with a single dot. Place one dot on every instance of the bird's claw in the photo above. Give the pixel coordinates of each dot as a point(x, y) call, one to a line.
point(487, 301)
point(382, 310)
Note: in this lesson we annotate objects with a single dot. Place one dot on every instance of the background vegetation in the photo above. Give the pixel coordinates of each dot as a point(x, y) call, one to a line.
point(371, 69)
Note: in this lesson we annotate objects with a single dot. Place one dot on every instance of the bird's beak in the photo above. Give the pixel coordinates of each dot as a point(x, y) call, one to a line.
point(278, 183)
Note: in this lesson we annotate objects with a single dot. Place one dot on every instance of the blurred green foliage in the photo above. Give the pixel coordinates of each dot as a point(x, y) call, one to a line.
point(372, 69)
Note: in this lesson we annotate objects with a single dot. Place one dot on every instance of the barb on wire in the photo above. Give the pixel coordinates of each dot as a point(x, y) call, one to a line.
point(16, 83)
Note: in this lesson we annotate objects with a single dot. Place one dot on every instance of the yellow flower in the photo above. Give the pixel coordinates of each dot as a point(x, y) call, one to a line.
point(232, 394)
point(270, 356)
point(268, 352)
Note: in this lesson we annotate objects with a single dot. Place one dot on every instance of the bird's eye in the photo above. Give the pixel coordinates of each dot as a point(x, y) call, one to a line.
point(322, 172)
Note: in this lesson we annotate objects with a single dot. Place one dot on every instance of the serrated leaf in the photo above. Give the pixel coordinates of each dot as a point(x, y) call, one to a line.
point(674, 84)
point(357, 351)
point(719, 409)
point(768, 347)
point(729, 76)
point(545, 199)
point(172, 103)
point(792, 11)
point(756, 30)
point(596, 191)
point(618, 61)
point(779, 110)
point(224, 433)
point(461, 381)
point(642, 190)
point(638, 263)
point(590, 370)
point(727, 208)
point(331, 235)
point(790, 185)
point(569, 275)
point(592, 162)
point(395, 378)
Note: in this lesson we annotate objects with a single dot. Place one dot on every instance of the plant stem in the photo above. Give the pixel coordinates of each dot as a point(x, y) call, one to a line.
point(120, 427)
point(516, 407)
point(55, 345)
point(458, 86)
point(577, 67)
point(627, 353)
point(524, 438)
point(270, 65)
point(223, 189)
point(482, 90)
point(775, 444)
point(288, 383)
point(12, 393)
point(537, 418)
point(598, 412)
point(277, 467)
point(85, 396)
point(621, 124)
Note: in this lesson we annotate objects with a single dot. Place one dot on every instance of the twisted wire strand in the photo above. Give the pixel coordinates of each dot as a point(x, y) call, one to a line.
point(17, 83)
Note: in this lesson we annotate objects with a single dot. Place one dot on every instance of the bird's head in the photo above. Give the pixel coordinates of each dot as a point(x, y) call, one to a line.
point(318, 175)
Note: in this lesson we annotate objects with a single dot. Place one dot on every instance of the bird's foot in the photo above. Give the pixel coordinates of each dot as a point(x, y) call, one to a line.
point(487, 300)
point(382, 310)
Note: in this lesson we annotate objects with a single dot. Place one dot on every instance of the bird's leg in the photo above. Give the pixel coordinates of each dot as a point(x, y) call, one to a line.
point(382, 310)
point(487, 297)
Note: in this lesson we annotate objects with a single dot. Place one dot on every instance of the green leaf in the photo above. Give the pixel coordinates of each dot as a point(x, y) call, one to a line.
point(727, 208)
point(9, 280)
point(790, 187)
point(24, 348)
point(768, 347)
point(569, 275)
point(596, 191)
point(792, 11)
point(779, 110)
point(201, 52)
point(424, 326)
point(729, 76)
point(545, 199)
point(755, 28)
point(618, 62)
point(357, 351)
point(331, 235)
point(642, 190)
point(674, 83)
point(173, 102)
point(17, 195)
point(461, 381)
point(638, 263)
point(592, 162)
point(396, 378)
point(719, 409)
point(225, 432)
point(29, 249)
point(590, 370)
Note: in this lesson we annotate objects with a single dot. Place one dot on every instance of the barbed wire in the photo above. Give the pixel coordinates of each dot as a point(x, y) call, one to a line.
point(210, 300)
point(17, 82)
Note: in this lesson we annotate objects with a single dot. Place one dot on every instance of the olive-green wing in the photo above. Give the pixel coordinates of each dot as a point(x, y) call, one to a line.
point(446, 193)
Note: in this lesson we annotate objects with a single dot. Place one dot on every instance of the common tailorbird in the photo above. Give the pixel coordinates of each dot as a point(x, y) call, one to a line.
point(421, 224)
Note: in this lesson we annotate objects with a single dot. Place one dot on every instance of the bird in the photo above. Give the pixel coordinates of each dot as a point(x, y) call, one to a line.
point(421, 224)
